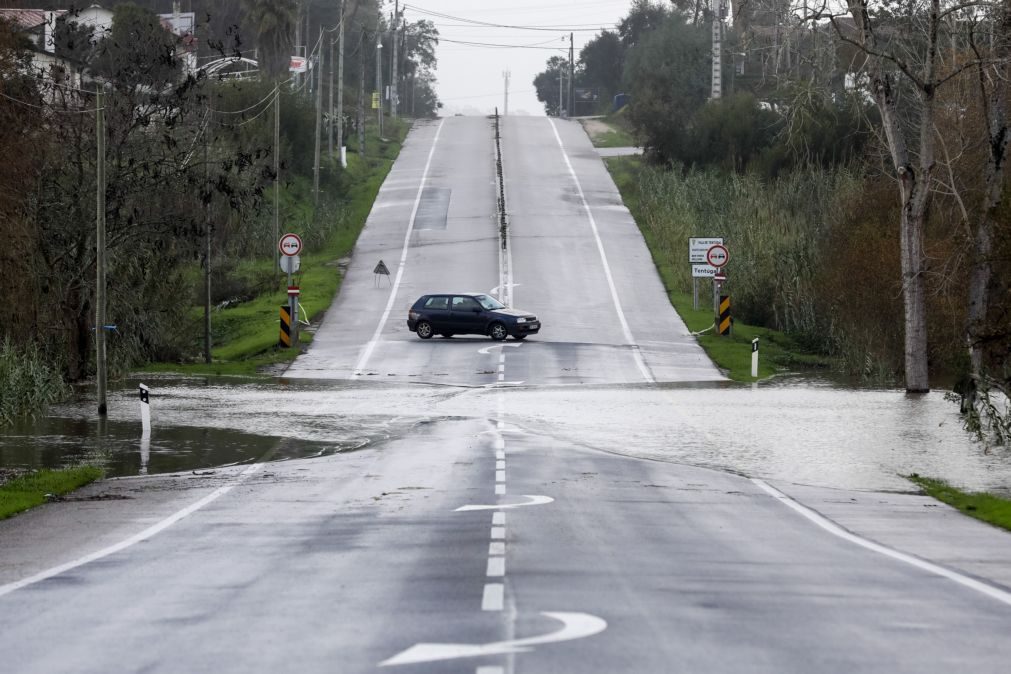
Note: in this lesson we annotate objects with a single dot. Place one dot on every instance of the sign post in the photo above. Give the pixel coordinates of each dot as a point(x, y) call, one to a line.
point(290, 246)
point(697, 248)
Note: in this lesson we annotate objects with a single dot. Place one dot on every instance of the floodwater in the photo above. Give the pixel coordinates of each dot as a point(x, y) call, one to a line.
point(799, 430)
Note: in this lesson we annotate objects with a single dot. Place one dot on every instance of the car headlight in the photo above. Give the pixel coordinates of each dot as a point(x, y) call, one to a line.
point(521, 320)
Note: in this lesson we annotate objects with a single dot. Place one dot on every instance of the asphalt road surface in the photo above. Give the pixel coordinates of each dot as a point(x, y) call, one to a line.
point(473, 544)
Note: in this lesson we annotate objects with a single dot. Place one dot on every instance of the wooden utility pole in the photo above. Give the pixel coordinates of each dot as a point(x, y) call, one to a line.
point(207, 247)
point(277, 175)
point(319, 120)
point(379, 78)
point(339, 114)
point(101, 372)
point(361, 98)
point(393, 65)
point(572, 77)
point(329, 107)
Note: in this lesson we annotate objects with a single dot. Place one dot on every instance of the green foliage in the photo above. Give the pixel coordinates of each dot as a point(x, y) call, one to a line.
point(34, 489)
point(986, 507)
point(273, 24)
point(777, 234)
point(729, 133)
point(28, 382)
point(667, 75)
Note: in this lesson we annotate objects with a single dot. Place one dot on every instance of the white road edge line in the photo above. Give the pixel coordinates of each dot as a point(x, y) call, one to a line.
point(922, 564)
point(639, 361)
point(370, 347)
point(132, 540)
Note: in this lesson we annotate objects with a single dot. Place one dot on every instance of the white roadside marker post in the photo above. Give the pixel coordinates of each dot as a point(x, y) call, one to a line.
point(145, 410)
point(754, 357)
point(145, 434)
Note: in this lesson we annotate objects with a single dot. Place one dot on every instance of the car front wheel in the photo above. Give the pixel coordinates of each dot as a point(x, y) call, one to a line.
point(498, 332)
point(424, 330)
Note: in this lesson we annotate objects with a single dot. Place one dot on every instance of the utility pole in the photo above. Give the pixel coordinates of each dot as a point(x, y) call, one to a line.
point(329, 126)
point(207, 246)
point(277, 174)
point(561, 91)
point(505, 108)
point(393, 76)
point(717, 78)
point(361, 97)
point(379, 77)
point(101, 372)
point(340, 86)
point(572, 77)
point(319, 121)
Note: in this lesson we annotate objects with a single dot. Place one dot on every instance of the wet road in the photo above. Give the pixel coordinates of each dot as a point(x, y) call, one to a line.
point(573, 256)
point(495, 527)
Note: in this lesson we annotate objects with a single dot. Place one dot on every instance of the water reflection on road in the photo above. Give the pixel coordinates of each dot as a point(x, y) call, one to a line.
point(802, 431)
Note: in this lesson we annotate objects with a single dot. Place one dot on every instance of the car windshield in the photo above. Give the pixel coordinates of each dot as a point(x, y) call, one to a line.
point(489, 303)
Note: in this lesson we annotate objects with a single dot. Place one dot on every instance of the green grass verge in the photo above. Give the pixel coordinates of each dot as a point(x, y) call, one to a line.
point(987, 507)
point(246, 335)
point(778, 352)
point(29, 491)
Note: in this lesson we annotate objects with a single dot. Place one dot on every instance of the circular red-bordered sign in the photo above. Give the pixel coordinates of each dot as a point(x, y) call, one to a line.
point(290, 244)
point(717, 256)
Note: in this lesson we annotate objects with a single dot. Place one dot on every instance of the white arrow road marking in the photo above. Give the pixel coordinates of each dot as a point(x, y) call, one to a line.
point(486, 350)
point(576, 626)
point(532, 500)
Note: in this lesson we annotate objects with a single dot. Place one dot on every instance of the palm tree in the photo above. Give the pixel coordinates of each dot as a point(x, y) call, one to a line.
point(273, 22)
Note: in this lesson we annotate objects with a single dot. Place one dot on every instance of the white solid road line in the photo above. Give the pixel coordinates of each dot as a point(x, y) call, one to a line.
point(132, 540)
point(922, 564)
point(370, 347)
point(639, 361)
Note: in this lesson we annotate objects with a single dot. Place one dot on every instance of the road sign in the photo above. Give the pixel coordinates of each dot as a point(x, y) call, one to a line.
point(293, 291)
point(375, 100)
point(697, 248)
point(720, 275)
point(290, 244)
point(290, 263)
point(703, 271)
point(717, 255)
point(381, 269)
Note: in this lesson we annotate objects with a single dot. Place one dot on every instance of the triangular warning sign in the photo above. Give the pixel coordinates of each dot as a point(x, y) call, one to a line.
point(381, 269)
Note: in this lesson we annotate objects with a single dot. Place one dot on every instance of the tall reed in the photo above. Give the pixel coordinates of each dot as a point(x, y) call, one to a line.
point(28, 382)
point(776, 232)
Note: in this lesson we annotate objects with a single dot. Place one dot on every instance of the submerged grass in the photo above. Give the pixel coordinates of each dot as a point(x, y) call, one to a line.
point(986, 507)
point(31, 490)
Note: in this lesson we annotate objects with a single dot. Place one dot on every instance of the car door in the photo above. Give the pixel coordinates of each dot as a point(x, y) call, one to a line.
point(467, 315)
point(436, 311)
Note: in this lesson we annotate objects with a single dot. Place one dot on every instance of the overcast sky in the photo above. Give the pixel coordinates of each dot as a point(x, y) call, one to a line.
point(470, 76)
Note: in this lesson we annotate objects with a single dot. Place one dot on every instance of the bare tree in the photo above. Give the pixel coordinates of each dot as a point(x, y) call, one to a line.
point(906, 56)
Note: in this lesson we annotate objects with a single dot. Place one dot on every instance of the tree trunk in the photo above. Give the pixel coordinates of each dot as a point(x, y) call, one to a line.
point(980, 271)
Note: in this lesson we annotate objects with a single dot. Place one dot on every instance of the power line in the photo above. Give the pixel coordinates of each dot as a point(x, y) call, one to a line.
point(536, 45)
point(475, 22)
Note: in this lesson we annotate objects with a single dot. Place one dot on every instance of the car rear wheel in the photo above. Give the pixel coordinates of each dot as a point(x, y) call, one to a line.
point(498, 332)
point(424, 330)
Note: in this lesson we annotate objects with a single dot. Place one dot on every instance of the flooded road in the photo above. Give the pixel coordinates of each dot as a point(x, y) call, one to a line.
point(798, 430)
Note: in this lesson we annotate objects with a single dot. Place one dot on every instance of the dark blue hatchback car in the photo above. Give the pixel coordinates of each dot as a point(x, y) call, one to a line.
point(469, 314)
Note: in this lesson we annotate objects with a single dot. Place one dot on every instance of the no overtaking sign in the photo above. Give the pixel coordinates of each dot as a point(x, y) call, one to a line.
point(290, 244)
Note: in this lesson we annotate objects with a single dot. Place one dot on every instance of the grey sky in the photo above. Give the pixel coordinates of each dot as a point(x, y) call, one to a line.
point(470, 77)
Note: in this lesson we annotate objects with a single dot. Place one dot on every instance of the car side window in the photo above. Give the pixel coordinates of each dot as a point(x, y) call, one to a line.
point(465, 304)
point(437, 303)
